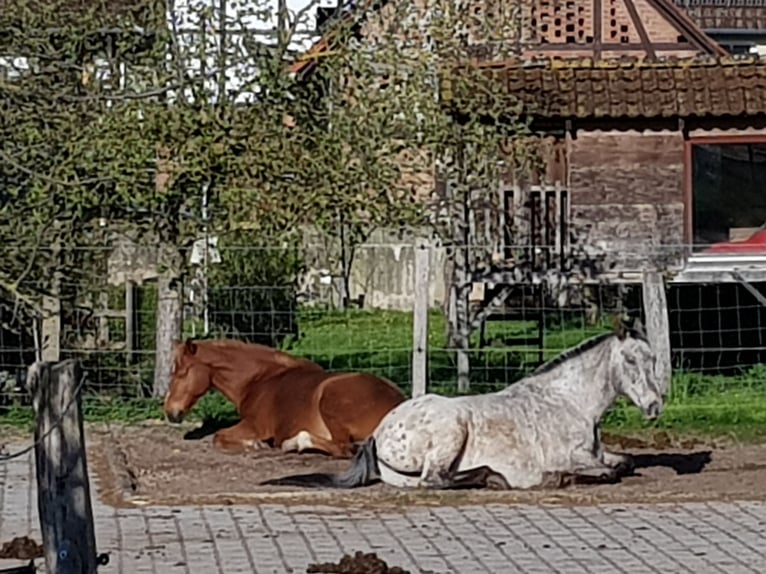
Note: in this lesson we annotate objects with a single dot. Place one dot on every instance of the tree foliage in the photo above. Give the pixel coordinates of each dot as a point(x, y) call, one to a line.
point(122, 120)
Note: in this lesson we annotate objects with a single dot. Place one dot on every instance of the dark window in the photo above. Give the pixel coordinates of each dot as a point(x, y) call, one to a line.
point(728, 194)
point(536, 225)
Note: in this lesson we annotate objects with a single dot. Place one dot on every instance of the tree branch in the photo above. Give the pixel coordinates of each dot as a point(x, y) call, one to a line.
point(55, 181)
point(484, 310)
point(12, 288)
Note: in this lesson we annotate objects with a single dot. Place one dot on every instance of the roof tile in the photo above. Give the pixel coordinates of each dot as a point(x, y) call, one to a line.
point(668, 88)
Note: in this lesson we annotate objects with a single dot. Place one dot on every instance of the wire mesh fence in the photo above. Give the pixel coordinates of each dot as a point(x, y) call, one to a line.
point(176, 127)
point(363, 320)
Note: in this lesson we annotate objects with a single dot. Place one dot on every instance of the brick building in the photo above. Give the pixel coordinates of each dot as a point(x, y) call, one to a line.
point(625, 90)
point(656, 154)
point(738, 25)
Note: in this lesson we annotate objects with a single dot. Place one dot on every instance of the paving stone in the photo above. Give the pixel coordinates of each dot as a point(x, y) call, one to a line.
point(699, 538)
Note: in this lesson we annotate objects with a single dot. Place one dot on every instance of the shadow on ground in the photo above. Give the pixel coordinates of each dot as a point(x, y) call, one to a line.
point(682, 463)
point(208, 427)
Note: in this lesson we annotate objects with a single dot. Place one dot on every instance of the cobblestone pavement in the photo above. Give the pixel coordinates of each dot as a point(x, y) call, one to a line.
point(274, 538)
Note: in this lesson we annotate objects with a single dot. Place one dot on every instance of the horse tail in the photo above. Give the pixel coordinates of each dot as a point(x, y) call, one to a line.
point(363, 471)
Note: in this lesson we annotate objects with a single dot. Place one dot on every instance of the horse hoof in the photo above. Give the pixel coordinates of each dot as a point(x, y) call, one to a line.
point(497, 482)
point(625, 468)
point(610, 476)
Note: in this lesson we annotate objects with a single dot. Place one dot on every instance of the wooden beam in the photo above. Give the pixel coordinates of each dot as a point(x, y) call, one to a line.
point(106, 313)
point(558, 125)
point(638, 23)
point(598, 48)
point(420, 318)
point(63, 490)
point(750, 289)
point(658, 325)
point(745, 121)
point(598, 32)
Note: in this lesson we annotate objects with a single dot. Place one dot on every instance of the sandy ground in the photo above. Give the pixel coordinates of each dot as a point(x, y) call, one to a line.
point(157, 464)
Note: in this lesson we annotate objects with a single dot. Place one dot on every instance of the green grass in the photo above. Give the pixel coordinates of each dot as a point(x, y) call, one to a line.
point(100, 409)
point(381, 342)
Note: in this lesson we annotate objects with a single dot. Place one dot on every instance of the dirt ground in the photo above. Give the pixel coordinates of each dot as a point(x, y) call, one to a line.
point(157, 464)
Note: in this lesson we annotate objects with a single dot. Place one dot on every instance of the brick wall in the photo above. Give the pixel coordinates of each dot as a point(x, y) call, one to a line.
point(657, 27)
point(738, 17)
point(626, 168)
point(626, 194)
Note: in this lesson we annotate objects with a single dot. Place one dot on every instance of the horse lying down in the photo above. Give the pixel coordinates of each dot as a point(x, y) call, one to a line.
point(283, 401)
point(543, 428)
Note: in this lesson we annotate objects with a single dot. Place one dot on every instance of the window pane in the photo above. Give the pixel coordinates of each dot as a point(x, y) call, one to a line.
point(729, 194)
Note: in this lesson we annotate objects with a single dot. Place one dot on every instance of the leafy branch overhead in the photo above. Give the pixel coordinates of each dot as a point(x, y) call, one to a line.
point(119, 119)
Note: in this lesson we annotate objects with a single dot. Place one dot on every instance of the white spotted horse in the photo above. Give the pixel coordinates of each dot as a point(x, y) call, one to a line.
point(545, 427)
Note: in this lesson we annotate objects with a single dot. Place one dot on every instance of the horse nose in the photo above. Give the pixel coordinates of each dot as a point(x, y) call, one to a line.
point(175, 416)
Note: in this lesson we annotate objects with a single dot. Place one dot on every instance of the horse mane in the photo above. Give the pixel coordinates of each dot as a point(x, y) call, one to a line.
point(279, 357)
point(584, 346)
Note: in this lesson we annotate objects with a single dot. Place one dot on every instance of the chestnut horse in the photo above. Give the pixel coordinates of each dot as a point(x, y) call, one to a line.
point(283, 401)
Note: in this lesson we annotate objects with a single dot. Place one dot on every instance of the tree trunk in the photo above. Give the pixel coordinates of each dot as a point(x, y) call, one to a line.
point(168, 327)
point(51, 325)
point(449, 301)
point(461, 328)
point(345, 266)
point(51, 319)
point(459, 310)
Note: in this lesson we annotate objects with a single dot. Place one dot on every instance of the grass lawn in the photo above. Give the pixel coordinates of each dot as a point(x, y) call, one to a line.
point(381, 342)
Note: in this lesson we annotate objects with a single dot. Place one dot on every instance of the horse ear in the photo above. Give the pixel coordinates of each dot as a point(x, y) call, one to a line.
point(190, 347)
point(619, 327)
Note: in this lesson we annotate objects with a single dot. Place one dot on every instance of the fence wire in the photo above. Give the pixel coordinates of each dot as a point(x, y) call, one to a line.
point(362, 320)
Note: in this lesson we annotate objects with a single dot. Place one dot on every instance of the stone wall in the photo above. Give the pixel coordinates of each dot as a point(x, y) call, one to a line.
point(626, 196)
point(382, 271)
